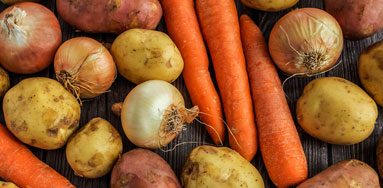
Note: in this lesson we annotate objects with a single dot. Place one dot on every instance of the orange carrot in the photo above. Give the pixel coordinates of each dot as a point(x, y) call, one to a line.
point(279, 141)
point(183, 28)
point(220, 28)
point(20, 166)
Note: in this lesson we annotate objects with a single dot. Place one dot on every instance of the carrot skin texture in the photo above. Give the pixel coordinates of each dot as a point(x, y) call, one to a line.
point(20, 166)
point(279, 141)
point(220, 29)
point(183, 28)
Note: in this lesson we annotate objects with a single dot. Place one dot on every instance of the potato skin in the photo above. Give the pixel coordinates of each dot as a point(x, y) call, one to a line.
point(336, 111)
point(143, 55)
point(4, 82)
point(270, 5)
point(358, 18)
point(371, 71)
point(349, 173)
point(93, 150)
point(7, 185)
point(141, 168)
point(41, 112)
point(110, 16)
point(222, 167)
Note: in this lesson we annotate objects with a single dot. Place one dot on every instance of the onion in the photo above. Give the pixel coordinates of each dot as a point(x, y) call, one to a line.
point(85, 67)
point(153, 114)
point(29, 37)
point(306, 42)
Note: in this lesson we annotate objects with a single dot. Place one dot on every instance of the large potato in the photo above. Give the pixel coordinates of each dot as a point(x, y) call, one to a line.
point(93, 150)
point(143, 55)
point(371, 71)
point(358, 18)
point(209, 166)
point(270, 5)
point(4, 82)
point(7, 185)
point(344, 174)
point(110, 16)
point(141, 168)
point(336, 111)
point(41, 112)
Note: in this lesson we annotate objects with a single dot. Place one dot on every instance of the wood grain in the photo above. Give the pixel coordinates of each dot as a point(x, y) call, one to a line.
point(319, 154)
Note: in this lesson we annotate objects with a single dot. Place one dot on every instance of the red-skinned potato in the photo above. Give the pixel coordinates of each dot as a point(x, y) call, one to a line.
point(358, 18)
point(29, 35)
point(110, 16)
point(141, 168)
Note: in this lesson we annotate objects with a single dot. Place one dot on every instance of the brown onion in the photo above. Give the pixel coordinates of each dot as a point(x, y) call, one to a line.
point(306, 42)
point(85, 67)
point(29, 37)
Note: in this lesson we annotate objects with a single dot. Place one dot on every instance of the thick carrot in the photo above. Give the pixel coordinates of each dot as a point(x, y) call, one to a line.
point(279, 141)
point(20, 166)
point(183, 28)
point(220, 28)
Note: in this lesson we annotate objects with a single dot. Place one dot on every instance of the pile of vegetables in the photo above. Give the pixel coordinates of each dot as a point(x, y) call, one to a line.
point(249, 100)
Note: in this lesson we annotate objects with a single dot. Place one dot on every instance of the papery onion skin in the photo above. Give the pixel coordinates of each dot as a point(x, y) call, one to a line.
point(88, 66)
point(144, 111)
point(306, 42)
point(30, 45)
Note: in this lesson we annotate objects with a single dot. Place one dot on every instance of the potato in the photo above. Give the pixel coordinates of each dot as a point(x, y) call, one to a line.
point(93, 150)
point(371, 71)
point(336, 111)
point(143, 55)
point(41, 112)
point(379, 156)
point(11, 2)
point(141, 168)
point(7, 185)
point(270, 5)
point(358, 19)
point(344, 174)
point(222, 167)
point(4, 82)
point(110, 16)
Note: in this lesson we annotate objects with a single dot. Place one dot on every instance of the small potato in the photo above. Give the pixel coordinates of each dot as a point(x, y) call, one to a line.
point(344, 174)
point(209, 166)
point(7, 185)
point(4, 82)
point(141, 168)
point(270, 5)
point(336, 111)
point(93, 150)
point(143, 55)
point(371, 71)
point(41, 112)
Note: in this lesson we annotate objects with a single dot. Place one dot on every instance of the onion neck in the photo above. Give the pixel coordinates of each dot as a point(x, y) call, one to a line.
point(11, 24)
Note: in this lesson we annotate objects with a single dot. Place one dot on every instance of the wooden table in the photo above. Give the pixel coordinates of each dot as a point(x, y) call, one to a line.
point(320, 155)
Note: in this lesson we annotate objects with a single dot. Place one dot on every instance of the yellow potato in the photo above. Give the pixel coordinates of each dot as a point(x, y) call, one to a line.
point(4, 82)
point(143, 55)
point(270, 5)
point(222, 167)
point(7, 185)
point(371, 71)
point(93, 150)
point(41, 112)
point(336, 111)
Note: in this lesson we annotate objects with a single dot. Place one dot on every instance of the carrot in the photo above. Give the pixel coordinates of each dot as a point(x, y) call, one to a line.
point(279, 141)
point(20, 166)
point(183, 28)
point(220, 28)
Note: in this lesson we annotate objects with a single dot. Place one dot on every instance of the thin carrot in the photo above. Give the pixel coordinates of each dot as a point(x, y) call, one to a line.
point(20, 166)
point(183, 28)
point(279, 141)
point(220, 28)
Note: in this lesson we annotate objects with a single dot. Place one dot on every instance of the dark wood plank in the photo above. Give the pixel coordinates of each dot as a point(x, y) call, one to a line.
point(319, 154)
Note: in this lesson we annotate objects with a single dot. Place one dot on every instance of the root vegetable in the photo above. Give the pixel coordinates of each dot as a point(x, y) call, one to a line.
point(270, 5)
point(4, 82)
